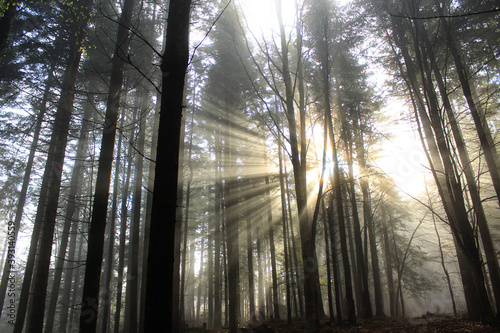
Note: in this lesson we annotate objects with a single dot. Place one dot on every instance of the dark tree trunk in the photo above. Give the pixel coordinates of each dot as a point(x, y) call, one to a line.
point(122, 241)
point(285, 238)
point(24, 187)
point(251, 285)
point(160, 267)
point(449, 189)
point(75, 184)
point(335, 260)
point(106, 307)
point(49, 194)
point(91, 284)
point(328, 264)
point(182, 297)
point(488, 245)
point(369, 227)
point(132, 292)
point(270, 222)
point(307, 237)
point(388, 267)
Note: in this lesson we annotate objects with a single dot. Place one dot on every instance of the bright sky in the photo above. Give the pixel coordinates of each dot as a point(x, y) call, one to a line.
point(402, 157)
point(261, 14)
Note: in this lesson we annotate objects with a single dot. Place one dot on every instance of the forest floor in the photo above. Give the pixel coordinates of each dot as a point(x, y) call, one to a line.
point(429, 323)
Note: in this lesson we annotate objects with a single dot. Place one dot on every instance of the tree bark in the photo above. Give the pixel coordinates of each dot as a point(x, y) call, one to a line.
point(122, 241)
point(132, 299)
point(75, 184)
point(160, 266)
point(24, 187)
point(91, 285)
point(106, 307)
point(49, 194)
point(276, 309)
point(285, 237)
point(307, 236)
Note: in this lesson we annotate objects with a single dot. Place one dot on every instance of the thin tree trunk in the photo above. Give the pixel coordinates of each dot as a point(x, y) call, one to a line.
point(307, 236)
point(451, 194)
point(24, 187)
point(45, 219)
point(293, 253)
point(251, 287)
point(285, 237)
point(275, 301)
point(182, 297)
point(328, 264)
point(218, 269)
point(482, 128)
point(132, 292)
point(388, 267)
point(106, 307)
point(445, 270)
point(200, 278)
point(362, 270)
point(488, 245)
point(260, 282)
point(335, 261)
point(90, 300)
point(122, 242)
point(369, 227)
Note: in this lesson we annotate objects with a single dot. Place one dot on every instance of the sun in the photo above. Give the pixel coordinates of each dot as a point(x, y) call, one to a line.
point(404, 161)
point(261, 15)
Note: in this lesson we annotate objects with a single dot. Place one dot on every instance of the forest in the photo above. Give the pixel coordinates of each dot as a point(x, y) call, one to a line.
point(249, 166)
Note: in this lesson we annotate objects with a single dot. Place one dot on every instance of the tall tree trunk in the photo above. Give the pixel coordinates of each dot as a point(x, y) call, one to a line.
point(307, 236)
point(91, 284)
point(328, 264)
point(365, 307)
point(275, 302)
point(388, 267)
point(149, 204)
point(24, 187)
point(368, 220)
point(335, 260)
point(160, 266)
point(200, 279)
point(68, 276)
point(182, 296)
point(482, 128)
point(285, 237)
point(337, 186)
point(251, 286)
point(49, 194)
point(450, 192)
point(232, 242)
point(74, 191)
point(218, 268)
point(445, 270)
point(260, 282)
point(122, 241)
point(106, 307)
point(132, 291)
point(488, 245)
point(293, 255)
